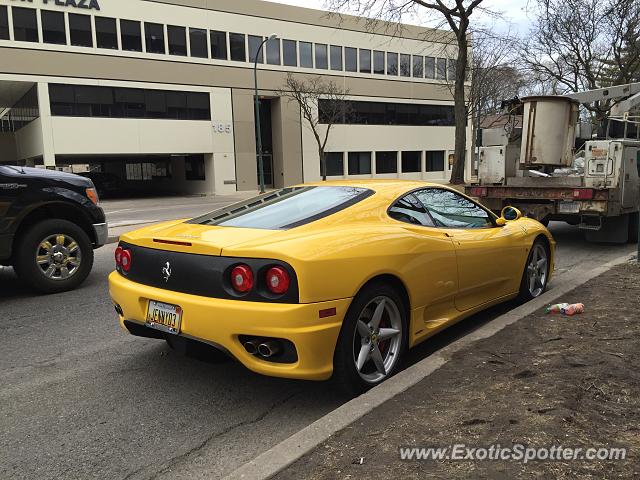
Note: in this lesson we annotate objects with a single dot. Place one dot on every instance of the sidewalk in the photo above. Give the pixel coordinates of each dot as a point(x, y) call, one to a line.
point(546, 380)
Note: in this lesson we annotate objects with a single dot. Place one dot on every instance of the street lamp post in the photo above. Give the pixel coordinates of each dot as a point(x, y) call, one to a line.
point(257, 111)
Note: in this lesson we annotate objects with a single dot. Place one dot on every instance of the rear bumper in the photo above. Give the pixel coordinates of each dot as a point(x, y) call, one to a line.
point(101, 231)
point(220, 322)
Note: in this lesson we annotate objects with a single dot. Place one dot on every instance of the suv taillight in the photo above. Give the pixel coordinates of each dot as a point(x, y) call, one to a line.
point(583, 194)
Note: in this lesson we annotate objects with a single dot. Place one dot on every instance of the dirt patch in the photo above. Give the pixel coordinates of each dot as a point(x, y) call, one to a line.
point(544, 381)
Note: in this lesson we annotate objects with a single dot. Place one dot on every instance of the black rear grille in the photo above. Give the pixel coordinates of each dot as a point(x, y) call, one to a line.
point(203, 275)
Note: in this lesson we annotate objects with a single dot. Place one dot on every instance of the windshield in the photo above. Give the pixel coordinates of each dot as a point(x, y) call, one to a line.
point(286, 208)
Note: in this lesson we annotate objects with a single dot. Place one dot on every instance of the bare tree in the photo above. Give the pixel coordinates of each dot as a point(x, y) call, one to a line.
point(322, 103)
point(578, 45)
point(454, 13)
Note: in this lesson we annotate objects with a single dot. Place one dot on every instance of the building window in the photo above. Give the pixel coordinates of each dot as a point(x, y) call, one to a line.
point(53, 27)
point(198, 43)
point(441, 70)
point(177, 37)
point(435, 161)
point(411, 162)
point(335, 164)
point(351, 59)
point(405, 65)
point(430, 67)
point(25, 24)
point(273, 51)
point(386, 162)
point(154, 37)
point(194, 167)
point(130, 35)
point(80, 30)
point(452, 69)
point(365, 61)
point(254, 49)
point(392, 64)
point(218, 44)
point(4, 23)
point(378, 62)
point(306, 55)
point(383, 113)
point(290, 53)
point(418, 66)
point(106, 33)
point(115, 102)
point(237, 44)
point(321, 56)
point(336, 58)
point(359, 163)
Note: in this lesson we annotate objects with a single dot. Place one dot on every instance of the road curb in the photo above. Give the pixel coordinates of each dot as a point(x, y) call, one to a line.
point(288, 451)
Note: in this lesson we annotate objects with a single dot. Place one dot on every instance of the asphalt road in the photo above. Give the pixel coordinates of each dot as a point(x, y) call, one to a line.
point(79, 398)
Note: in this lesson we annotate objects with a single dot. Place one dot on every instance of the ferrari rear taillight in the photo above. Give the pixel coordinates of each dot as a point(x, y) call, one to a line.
point(242, 278)
point(125, 261)
point(278, 280)
point(118, 256)
point(583, 194)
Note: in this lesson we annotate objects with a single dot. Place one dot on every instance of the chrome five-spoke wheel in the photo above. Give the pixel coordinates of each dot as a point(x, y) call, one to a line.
point(377, 340)
point(58, 256)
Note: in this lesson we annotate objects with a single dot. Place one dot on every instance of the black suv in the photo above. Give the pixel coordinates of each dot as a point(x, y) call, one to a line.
point(50, 222)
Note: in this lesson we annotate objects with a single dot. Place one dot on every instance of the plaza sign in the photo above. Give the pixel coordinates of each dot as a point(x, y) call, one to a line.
point(85, 4)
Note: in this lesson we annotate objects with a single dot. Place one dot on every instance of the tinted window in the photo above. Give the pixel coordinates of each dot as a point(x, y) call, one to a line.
point(306, 55)
point(430, 67)
point(351, 59)
point(237, 44)
point(365, 61)
point(273, 51)
point(53, 28)
point(130, 35)
point(198, 43)
point(177, 37)
point(25, 24)
point(80, 30)
point(336, 58)
point(335, 164)
point(392, 64)
point(286, 208)
point(378, 62)
point(321, 56)
point(411, 162)
point(418, 66)
point(290, 53)
point(218, 45)
point(359, 163)
point(410, 210)
point(386, 162)
point(154, 37)
point(384, 113)
point(441, 69)
point(451, 210)
point(435, 161)
point(405, 65)
point(4, 23)
point(254, 49)
point(106, 33)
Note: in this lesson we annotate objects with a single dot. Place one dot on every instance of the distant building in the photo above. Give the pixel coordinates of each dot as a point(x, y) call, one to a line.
point(160, 93)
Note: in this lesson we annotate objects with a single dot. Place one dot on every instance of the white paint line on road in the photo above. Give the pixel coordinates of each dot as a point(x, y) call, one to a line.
point(288, 451)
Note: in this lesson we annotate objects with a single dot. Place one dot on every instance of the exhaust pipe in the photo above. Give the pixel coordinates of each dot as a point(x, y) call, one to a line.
point(251, 347)
point(269, 349)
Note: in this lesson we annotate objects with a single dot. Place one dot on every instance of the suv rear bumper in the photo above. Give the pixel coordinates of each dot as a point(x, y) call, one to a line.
point(101, 233)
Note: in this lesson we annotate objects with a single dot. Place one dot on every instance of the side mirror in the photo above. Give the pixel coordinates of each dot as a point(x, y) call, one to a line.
point(509, 214)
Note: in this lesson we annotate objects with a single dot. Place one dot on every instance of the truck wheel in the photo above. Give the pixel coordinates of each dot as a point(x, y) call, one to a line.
point(633, 227)
point(53, 256)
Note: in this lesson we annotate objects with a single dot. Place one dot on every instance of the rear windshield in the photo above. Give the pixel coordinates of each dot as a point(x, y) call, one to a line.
point(286, 208)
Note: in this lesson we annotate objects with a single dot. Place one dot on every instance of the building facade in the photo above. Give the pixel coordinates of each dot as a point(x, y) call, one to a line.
point(161, 93)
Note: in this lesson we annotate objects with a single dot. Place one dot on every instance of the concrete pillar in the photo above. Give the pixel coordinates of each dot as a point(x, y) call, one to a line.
point(287, 143)
point(245, 140)
point(48, 149)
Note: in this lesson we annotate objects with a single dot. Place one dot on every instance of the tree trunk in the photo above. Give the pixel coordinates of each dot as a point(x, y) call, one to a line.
point(323, 164)
point(460, 109)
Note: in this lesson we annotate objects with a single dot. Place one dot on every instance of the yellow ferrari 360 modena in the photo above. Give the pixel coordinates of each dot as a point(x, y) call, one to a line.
point(331, 279)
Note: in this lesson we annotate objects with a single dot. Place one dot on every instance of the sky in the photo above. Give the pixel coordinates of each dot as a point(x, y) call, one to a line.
point(514, 12)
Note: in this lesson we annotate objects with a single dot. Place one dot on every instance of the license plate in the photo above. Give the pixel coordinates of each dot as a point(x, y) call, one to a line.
point(164, 316)
point(569, 207)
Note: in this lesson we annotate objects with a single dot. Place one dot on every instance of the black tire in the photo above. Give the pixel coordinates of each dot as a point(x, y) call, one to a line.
point(525, 293)
point(634, 218)
point(346, 376)
point(25, 256)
